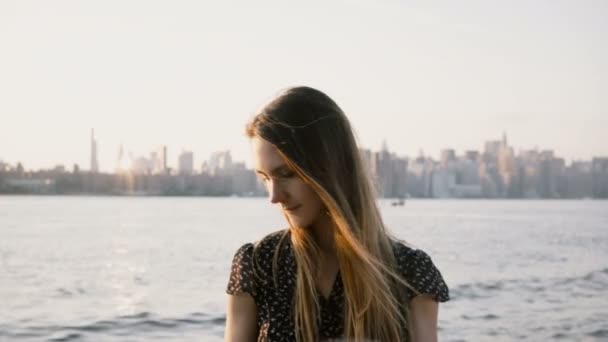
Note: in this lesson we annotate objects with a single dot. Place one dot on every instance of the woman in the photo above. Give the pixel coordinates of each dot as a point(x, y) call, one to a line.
point(336, 273)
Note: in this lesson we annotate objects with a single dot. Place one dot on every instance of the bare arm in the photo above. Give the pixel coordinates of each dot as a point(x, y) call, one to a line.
point(241, 319)
point(423, 319)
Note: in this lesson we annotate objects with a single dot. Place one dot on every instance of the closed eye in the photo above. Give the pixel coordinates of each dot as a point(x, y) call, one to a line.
point(286, 173)
point(281, 172)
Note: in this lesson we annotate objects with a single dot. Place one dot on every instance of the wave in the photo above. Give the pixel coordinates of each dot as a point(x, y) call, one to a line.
point(126, 325)
point(68, 337)
point(594, 280)
point(148, 323)
point(599, 333)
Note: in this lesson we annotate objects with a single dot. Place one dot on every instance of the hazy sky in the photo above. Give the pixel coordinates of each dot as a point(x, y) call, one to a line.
point(189, 74)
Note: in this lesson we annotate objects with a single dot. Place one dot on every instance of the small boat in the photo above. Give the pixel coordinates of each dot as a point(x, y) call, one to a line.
point(398, 202)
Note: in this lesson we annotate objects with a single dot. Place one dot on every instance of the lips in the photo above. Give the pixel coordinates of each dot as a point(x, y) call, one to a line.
point(295, 207)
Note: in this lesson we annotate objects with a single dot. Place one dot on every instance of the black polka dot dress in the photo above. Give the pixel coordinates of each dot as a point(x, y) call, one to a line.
point(252, 273)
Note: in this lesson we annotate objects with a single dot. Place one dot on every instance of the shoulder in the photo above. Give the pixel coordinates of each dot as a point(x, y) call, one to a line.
point(418, 270)
point(260, 253)
point(252, 265)
point(266, 244)
point(271, 241)
point(409, 256)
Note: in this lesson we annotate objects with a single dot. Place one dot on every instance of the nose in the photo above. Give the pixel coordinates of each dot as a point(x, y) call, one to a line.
point(276, 192)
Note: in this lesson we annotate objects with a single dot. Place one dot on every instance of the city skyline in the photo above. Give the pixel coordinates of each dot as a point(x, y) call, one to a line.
point(497, 171)
point(161, 157)
point(419, 75)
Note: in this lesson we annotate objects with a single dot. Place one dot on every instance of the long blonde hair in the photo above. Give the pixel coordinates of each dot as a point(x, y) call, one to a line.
point(316, 140)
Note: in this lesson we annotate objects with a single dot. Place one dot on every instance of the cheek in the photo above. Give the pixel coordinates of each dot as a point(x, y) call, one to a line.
point(313, 200)
point(306, 195)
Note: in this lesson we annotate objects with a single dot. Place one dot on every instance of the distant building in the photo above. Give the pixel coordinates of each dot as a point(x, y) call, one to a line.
point(508, 170)
point(399, 189)
point(382, 171)
point(599, 169)
point(158, 161)
point(492, 148)
point(467, 191)
point(243, 180)
point(529, 173)
point(579, 180)
point(141, 166)
point(489, 169)
point(20, 169)
point(218, 162)
point(122, 164)
point(443, 182)
point(94, 163)
point(186, 163)
point(549, 169)
point(29, 185)
point(4, 167)
point(491, 183)
point(419, 177)
point(472, 155)
point(467, 171)
point(447, 157)
point(163, 158)
point(366, 157)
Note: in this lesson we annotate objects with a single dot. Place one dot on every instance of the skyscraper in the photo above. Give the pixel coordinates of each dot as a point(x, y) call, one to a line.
point(158, 160)
point(219, 162)
point(94, 164)
point(186, 163)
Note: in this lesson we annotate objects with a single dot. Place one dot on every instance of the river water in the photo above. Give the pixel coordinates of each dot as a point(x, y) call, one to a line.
point(146, 268)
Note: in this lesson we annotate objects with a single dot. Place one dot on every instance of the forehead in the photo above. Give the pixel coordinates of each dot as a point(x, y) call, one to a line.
point(266, 157)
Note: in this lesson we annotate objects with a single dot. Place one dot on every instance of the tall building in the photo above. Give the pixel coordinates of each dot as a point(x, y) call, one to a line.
point(219, 162)
point(579, 180)
point(442, 183)
point(121, 160)
point(4, 167)
point(447, 157)
point(186, 163)
point(491, 149)
point(599, 174)
point(158, 160)
point(548, 169)
point(163, 158)
point(366, 157)
point(399, 175)
point(382, 171)
point(419, 176)
point(94, 164)
point(508, 170)
point(472, 155)
point(468, 169)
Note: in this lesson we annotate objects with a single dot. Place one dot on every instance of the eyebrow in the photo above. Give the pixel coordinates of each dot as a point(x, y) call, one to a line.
point(277, 170)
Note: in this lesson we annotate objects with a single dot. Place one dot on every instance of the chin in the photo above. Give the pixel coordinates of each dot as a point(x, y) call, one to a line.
point(298, 222)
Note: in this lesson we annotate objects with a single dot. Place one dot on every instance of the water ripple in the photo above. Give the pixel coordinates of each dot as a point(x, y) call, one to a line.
point(595, 280)
point(127, 325)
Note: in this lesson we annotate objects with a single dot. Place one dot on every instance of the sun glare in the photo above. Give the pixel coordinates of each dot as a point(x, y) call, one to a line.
point(124, 164)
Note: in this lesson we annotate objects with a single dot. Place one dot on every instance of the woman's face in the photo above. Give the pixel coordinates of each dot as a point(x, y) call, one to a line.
point(300, 203)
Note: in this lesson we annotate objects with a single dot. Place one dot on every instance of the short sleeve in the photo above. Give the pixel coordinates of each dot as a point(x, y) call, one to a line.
point(242, 276)
point(420, 272)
